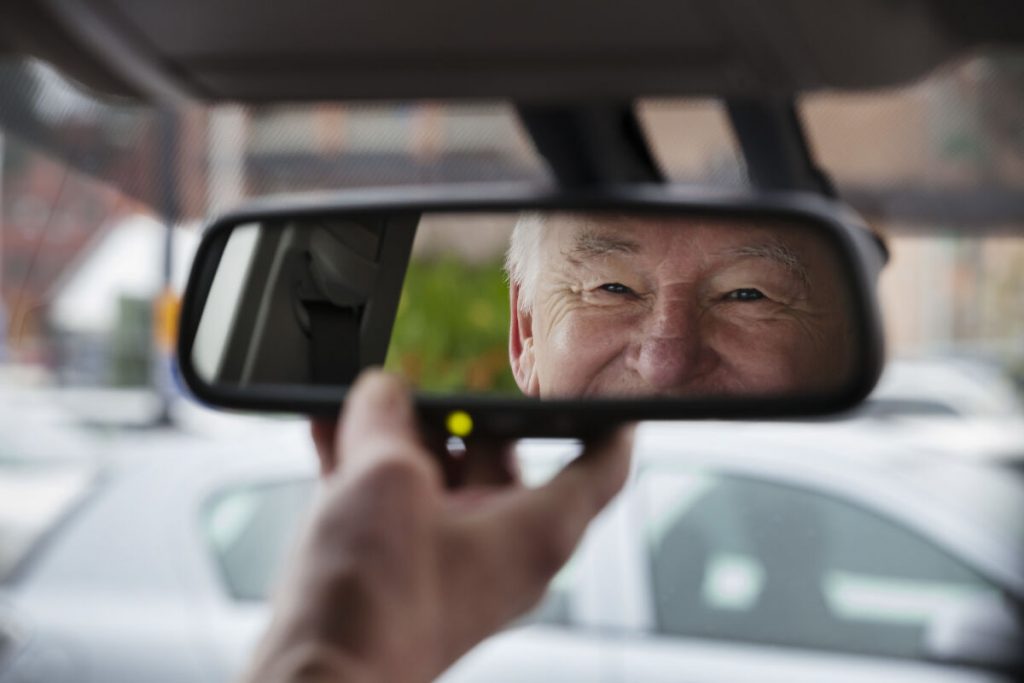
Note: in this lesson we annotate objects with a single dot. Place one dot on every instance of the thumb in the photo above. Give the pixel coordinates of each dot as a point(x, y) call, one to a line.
point(530, 533)
point(325, 434)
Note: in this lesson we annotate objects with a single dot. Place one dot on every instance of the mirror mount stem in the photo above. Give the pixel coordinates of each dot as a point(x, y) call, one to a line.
point(591, 145)
point(776, 149)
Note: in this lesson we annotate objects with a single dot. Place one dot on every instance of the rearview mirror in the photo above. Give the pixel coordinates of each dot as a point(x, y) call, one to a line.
point(539, 314)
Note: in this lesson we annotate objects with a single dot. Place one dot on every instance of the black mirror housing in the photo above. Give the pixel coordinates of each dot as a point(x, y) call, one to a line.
point(347, 278)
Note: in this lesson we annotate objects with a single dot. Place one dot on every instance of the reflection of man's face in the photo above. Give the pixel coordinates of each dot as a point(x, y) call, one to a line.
point(679, 307)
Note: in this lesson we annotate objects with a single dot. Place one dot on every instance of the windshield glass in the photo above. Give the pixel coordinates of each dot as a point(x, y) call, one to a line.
point(101, 207)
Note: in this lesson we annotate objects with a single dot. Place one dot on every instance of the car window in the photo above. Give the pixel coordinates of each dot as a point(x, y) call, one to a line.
point(956, 131)
point(744, 559)
point(249, 530)
point(331, 146)
point(888, 151)
point(227, 153)
point(692, 141)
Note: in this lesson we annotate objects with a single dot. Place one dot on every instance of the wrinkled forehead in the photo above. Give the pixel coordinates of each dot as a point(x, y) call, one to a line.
point(582, 236)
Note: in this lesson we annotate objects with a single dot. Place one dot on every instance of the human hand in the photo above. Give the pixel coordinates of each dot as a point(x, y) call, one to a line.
point(398, 574)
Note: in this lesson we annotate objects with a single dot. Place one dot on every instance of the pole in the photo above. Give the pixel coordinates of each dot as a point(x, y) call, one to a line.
point(170, 211)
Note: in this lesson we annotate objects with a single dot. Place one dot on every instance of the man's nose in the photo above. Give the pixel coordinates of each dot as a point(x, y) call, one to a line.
point(671, 350)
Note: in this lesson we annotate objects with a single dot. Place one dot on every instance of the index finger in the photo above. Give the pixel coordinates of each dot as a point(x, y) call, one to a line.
point(378, 421)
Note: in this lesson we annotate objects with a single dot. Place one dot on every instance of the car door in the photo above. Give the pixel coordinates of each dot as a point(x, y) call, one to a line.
point(247, 529)
point(750, 579)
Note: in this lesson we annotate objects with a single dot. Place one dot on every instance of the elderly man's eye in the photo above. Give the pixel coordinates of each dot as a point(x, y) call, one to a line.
point(745, 294)
point(615, 288)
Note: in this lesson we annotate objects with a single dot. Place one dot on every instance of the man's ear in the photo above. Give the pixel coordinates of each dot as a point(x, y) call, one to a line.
point(520, 345)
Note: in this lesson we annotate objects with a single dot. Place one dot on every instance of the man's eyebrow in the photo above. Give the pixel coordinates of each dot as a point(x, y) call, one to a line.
point(589, 244)
point(773, 251)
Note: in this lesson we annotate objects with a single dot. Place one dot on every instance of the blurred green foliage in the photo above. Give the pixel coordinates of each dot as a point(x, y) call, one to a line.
point(451, 332)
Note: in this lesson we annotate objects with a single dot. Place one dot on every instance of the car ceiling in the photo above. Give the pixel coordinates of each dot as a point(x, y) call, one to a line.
point(527, 50)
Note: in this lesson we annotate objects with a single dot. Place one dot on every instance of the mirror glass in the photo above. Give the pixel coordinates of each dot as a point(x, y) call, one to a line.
point(554, 304)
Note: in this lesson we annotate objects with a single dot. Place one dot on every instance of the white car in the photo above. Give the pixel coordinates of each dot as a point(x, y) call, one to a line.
point(740, 551)
point(958, 407)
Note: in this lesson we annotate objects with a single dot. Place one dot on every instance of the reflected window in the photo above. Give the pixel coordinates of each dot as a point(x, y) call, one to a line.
point(749, 560)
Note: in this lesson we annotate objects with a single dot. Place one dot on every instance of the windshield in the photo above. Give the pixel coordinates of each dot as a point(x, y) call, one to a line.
point(101, 207)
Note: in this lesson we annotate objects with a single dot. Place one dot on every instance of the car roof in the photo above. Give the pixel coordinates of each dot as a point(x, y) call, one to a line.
point(603, 50)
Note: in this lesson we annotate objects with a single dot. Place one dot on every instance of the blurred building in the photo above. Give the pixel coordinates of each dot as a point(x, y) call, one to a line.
point(948, 153)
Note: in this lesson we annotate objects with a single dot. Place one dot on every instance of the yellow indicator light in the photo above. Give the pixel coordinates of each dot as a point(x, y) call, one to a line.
point(459, 423)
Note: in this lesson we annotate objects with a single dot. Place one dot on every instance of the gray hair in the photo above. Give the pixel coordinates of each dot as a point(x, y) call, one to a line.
point(521, 260)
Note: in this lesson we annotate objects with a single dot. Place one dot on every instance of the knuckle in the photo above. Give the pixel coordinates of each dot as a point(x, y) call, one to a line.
point(393, 469)
point(390, 467)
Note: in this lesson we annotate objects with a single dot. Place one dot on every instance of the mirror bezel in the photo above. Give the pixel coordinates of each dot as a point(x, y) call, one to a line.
point(862, 256)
